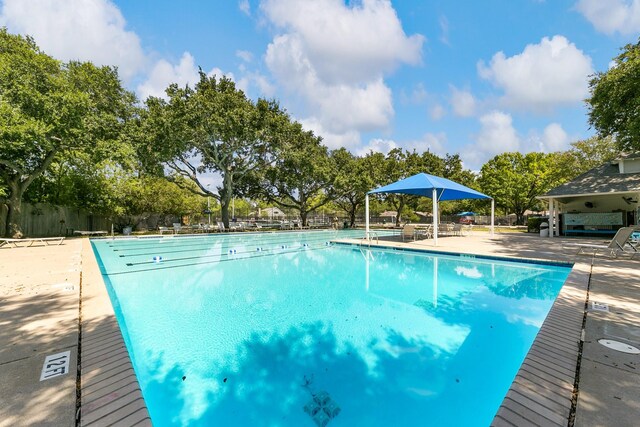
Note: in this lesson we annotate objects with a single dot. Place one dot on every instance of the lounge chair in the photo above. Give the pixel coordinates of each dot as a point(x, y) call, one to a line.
point(621, 243)
point(408, 232)
point(44, 240)
point(177, 227)
point(424, 232)
point(163, 230)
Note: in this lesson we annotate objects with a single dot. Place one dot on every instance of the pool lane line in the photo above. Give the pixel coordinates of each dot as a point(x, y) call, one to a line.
point(159, 266)
point(172, 239)
point(209, 243)
point(274, 250)
point(168, 241)
point(190, 248)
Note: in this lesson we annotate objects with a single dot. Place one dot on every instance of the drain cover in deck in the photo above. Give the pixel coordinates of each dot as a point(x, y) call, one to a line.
point(619, 346)
point(599, 306)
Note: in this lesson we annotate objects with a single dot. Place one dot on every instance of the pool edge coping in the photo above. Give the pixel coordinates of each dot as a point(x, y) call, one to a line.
point(541, 392)
point(109, 389)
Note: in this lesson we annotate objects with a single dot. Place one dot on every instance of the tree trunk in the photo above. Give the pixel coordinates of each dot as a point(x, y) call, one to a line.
point(226, 195)
point(352, 217)
point(400, 208)
point(13, 228)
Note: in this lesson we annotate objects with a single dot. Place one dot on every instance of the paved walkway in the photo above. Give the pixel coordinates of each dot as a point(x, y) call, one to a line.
point(40, 316)
point(39, 309)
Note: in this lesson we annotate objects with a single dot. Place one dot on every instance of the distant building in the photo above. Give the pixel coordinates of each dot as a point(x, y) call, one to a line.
point(273, 212)
point(599, 201)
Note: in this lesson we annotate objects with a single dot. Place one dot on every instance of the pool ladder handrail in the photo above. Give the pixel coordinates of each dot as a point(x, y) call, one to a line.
point(370, 237)
point(368, 254)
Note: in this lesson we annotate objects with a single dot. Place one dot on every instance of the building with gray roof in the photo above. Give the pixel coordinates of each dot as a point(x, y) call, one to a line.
point(599, 201)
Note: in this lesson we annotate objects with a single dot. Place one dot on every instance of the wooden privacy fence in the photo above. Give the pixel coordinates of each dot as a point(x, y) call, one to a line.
point(42, 220)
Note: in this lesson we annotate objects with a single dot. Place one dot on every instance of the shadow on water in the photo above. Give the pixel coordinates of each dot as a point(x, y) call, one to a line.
point(271, 379)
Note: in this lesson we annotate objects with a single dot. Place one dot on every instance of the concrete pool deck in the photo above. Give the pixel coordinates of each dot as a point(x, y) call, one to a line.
point(52, 299)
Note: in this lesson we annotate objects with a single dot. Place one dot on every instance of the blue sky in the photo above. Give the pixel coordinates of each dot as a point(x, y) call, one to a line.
point(471, 77)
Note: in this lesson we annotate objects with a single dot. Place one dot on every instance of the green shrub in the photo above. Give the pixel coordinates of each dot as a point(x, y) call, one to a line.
point(533, 223)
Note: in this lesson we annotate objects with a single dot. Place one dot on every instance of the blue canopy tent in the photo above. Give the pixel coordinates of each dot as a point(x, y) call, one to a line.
point(434, 187)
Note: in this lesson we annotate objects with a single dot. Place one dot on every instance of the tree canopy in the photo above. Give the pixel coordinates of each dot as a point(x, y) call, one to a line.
point(70, 134)
point(48, 108)
point(211, 128)
point(302, 177)
point(515, 179)
point(614, 105)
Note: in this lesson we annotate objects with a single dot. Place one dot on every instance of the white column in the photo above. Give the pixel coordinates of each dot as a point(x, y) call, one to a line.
point(493, 215)
point(551, 216)
point(556, 211)
point(366, 216)
point(435, 217)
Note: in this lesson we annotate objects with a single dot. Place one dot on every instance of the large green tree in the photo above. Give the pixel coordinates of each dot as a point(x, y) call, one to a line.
point(514, 180)
point(212, 128)
point(401, 164)
point(49, 109)
point(614, 105)
point(356, 176)
point(303, 175)
point(587, 154)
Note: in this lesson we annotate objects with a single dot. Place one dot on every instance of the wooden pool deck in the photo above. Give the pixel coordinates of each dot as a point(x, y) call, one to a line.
point(52, 300)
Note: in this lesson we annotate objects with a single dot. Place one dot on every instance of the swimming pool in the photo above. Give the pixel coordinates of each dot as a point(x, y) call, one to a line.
point(282, 329)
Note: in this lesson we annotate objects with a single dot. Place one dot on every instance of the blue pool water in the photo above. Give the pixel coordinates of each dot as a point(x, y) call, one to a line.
point(284, 329)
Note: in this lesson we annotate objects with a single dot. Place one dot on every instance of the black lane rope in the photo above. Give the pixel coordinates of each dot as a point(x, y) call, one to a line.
point(170, 241)
point(210, 246)
point(230, 252)
point(230, 257)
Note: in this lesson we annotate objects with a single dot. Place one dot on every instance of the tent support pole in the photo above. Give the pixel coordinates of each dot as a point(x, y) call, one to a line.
point(435, 217)
point(493, 214)
point(366, 216)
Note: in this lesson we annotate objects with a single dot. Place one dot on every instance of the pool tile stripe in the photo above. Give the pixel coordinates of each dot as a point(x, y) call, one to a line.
point(467, 256)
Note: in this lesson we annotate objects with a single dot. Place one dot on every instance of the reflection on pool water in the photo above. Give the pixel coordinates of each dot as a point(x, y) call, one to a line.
point(284, 329)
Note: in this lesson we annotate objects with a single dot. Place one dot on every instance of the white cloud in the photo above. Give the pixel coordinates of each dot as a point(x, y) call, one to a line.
point(462, 102)
point(245, 7)
point(164, 73)
point(86, 30)
point(545, 75)
point(436, 112)
point(260, 82)
point(444, 30)
point(349, 139)
point(418, 96)
point(333, 57)
point(245, 55)
point(377, 145)
point(611, 16)
point(497, 135)
point(554, 138)
point(338, 107)
point(343, 43)
point(436, 143)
